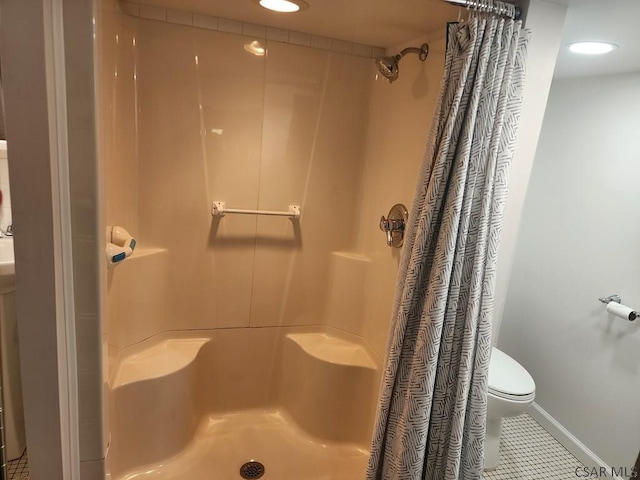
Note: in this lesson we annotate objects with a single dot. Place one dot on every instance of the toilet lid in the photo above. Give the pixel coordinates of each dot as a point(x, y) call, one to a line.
point(507, 376)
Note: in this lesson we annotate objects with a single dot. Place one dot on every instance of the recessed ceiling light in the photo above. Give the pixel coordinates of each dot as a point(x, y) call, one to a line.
point(592, 48)
point(285, 6)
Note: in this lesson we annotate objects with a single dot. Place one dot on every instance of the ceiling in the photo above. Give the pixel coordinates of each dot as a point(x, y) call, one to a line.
point(389, 23)
point(613, 21)
point(380, 23)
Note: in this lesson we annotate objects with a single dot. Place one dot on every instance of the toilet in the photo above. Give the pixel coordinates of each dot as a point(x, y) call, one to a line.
point(511, 391)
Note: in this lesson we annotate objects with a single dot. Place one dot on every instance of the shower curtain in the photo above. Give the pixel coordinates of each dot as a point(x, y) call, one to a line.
point(431, 418)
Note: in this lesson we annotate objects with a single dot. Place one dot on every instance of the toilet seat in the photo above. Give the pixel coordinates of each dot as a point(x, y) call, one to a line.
point(508, 379)
point(513, 398)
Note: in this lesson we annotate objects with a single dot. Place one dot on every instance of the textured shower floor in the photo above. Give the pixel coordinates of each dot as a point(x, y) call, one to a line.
point(222, 444)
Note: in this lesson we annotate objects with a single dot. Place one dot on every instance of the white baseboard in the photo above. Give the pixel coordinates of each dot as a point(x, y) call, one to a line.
point(568, 440)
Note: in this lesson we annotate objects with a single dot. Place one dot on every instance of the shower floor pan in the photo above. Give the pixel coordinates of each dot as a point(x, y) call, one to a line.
point(200, 405)
point(222, 444)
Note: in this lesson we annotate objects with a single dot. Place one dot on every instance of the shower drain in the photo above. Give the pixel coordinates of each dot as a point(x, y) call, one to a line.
point(252, 470)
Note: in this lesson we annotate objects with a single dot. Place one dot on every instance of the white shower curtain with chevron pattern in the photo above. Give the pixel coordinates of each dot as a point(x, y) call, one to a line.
point(431, 419)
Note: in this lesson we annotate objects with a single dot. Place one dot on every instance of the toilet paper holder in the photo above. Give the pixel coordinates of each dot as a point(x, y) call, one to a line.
point(632, 315)
point(611, 298)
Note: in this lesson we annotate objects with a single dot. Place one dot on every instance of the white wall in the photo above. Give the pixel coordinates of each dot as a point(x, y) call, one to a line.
point(545, 20)
point(44, 130)
point(25, 96)
point(580, 240)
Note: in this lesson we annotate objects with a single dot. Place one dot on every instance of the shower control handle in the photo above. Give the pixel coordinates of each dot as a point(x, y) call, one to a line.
point(394, 224)
point(388, 227)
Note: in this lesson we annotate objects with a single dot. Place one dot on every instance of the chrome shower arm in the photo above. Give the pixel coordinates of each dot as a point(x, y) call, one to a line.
point(422, 52)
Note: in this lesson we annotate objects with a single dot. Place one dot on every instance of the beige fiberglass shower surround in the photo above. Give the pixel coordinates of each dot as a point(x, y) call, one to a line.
point(250, 337)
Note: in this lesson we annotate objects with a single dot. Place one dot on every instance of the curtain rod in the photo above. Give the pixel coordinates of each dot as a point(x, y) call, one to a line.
point(476, 4)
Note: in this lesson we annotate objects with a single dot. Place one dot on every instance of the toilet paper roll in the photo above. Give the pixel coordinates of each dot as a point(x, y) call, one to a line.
point(621, 311)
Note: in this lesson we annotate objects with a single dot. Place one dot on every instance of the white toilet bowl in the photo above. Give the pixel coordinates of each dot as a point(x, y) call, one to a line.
point(511, 391)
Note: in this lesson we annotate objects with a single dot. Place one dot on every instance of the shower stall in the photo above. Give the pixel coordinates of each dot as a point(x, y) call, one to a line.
point(242, 346)
point(223, 345)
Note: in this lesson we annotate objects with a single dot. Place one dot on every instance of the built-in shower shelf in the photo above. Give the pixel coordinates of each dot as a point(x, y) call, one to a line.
point(333, 350)
point(158, 360)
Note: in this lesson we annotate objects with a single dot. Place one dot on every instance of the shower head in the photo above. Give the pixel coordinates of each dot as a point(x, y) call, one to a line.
point(388, 66)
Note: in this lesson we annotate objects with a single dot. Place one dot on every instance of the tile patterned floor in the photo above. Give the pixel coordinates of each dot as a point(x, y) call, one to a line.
point(528, 451)
point(18, 469)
